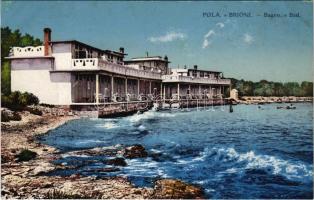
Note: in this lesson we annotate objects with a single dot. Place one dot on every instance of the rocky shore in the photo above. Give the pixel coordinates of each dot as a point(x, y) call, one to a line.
point(29, 179)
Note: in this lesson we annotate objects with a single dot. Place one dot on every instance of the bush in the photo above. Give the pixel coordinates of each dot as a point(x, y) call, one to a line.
point(17, 101)
point(26, 155)
point(28, 99)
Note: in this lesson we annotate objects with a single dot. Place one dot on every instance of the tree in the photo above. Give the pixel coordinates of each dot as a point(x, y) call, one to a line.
point(292, 89)
point(307, 88)
point(5, 77)
point(268, 88)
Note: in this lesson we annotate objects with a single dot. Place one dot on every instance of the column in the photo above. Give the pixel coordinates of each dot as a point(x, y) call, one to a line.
point(160, 90)
point(138, 87)
point(150, 87)
point(164, 92)
point(126, 86)
point(97, 88)
point(230, 90)
point(178, 92)
point(199, 90)
point(112, 82)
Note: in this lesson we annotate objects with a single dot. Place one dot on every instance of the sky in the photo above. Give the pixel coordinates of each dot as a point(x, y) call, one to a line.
point(250, 48)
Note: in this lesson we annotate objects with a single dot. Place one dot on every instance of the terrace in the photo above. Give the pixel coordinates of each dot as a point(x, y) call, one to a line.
point(198, 80)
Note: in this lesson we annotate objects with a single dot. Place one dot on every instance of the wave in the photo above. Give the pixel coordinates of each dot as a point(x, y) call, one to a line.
point(108, 125)
point(148, 115)
point(241, 162)
point(142, 128)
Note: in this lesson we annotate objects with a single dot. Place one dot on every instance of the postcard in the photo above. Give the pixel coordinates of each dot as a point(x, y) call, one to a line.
point(157, 100)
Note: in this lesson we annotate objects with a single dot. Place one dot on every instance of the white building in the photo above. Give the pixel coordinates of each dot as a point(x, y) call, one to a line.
point(194, 84)
point(73, 73)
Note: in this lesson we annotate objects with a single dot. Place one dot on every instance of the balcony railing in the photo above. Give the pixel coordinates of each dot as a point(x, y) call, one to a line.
point(29, 51)
point(100, 64)
point(90, 63)
point(188, 79)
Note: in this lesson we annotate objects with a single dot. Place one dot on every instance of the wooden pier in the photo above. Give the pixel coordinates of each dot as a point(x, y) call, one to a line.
point(121, 109)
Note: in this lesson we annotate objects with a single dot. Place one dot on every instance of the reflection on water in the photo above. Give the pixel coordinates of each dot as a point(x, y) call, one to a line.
point(250, 153)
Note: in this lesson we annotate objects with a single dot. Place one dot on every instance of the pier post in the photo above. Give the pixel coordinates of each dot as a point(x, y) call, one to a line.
point(178, 92)
point(97, 89)
point(126, 89)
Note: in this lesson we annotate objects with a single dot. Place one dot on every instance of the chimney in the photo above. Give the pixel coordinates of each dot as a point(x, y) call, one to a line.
point(195, 67)
point(146, 53)
point(166, 58)
point(47, 39)
point(121, 50)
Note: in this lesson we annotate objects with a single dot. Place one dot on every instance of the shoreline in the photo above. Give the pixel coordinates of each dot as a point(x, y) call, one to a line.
point(27, 180)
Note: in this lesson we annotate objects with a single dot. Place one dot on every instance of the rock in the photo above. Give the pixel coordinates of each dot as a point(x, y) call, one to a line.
point(106, 169)
point(135, 151)
point(43, 168)
point(116, 162)
point(175, 189)
point(7, 156)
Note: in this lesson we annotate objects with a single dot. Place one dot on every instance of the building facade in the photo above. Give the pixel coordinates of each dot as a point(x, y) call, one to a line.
point(73, 73)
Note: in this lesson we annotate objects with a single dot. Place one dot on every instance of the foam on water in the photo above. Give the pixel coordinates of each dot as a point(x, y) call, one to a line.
point(141, 128)
point(148, 115)
point(108, 125)
point(249, 160)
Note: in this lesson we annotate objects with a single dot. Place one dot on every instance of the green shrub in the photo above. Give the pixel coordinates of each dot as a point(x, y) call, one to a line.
point(17, 101)
point(28, 99)
point(5, 100)
point(26, 155)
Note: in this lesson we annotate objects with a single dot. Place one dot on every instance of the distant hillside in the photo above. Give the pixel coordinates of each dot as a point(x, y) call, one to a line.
point(269, 88)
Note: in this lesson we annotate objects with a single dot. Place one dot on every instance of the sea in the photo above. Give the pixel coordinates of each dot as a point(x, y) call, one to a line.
point(257, 151)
